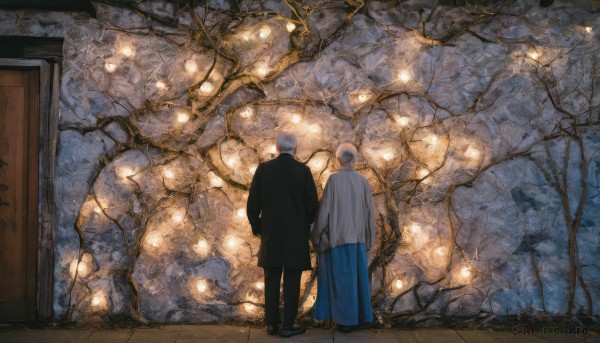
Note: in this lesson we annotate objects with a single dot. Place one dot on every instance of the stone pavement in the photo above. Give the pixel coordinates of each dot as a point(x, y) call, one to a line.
point(224, 333)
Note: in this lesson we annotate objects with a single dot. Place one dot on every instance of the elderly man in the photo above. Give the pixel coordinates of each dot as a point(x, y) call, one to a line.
point(281, 207)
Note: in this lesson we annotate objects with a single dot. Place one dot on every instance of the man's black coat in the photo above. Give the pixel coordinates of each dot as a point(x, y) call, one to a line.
point(281, 207)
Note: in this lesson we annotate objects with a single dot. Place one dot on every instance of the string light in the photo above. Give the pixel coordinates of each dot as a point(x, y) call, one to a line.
point(404, 76)
point(398, 284)
point(290, 26)
point(388, 155)
point(402, 121)
point(183, 117)
point(215, 181)
point(422, 173)
point(231, 242)
point(534, 54)
point(110, 67)
point(415, 228)
point(98, 300)
point(80, 268)
point(160, 85)
point(272, 149)
point(264, 31)
point(249, 307)
point(206, 87)
point(259, 285)
point(465, 272)
point(127, 51)
point(247, 112)
point(314, 128)
point(588, 29)
point(154, 240)
point(178, 217)
point(262, 71)
point(246, 35)
point(124, 172)
point(97, 209)
point(169, 174)
point(231, 161)
point(441, 251)
point(472, 153)
point(431, 139)
point(252, 169)
point(316, 163)
point(241, 212)
point(363, 97)
point(201, 247)
point(201, 286)
point(296, 118)
point(191, 66)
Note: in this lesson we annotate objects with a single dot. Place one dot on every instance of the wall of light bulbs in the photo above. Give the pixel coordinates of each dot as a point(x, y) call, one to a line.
point(455, 134)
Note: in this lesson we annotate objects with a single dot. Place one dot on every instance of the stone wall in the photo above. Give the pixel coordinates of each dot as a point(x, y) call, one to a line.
point(477, 126)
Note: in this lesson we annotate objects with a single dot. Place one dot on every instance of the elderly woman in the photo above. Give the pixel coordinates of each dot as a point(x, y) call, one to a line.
point(343, 235)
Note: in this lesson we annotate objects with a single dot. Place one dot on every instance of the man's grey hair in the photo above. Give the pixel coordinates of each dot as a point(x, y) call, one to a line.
point(287, 142)
point(346, 153)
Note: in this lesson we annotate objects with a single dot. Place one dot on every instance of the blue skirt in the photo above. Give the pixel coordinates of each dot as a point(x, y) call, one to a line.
point(343, 291)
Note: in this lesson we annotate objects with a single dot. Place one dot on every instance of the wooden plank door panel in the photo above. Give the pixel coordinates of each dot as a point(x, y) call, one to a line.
point(17, 195)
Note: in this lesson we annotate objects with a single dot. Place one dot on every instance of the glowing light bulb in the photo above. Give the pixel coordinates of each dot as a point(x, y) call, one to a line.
point(154, 240)
point(415, 228)
point(240, 212)
point(441, 251)
point(422, 173)
point(97, 209)
point(246, 35)
point(315, 128)
point(178, 217)
point(252, 169)
point(169, 174)
point(404, 76)
point(317, 164)
point(262, 71)
point(215, 181)
point(201, 286)
point(264, 31)
point(207, 87)
point(127, 50)
point(403, 121)
point(124, 172)
point(80, 268)
point(202, 245)
point(247, 112)
point(183, 117)
point(534, 55)
point(388, 155)
point(231, 161)
point(272, 149)
point(588, 29)
point(296, 118)
point(231, 242)
point(110, 67)
point(249, 307)
point(98, 300)
point(465, 272)
point(363, 97)
point(191, 66)
point(472, 153)
point(431, 139)
point(290, 26)
point(160, 85)
point(259, 285)
point(399, 284)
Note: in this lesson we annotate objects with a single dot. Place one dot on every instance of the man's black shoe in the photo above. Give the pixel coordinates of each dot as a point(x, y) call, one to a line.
point(272, 329)
point(292, 331)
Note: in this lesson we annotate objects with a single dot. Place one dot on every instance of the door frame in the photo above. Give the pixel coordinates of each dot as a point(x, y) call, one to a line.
point(45, 215)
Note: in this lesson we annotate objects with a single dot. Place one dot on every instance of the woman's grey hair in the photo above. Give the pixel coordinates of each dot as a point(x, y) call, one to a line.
point(346, 153)
point(286, 142)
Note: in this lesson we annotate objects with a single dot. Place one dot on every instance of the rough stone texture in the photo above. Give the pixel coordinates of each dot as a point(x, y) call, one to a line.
point(478, 128)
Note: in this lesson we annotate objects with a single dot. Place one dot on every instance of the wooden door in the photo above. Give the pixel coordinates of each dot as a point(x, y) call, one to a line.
point(19, 108)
